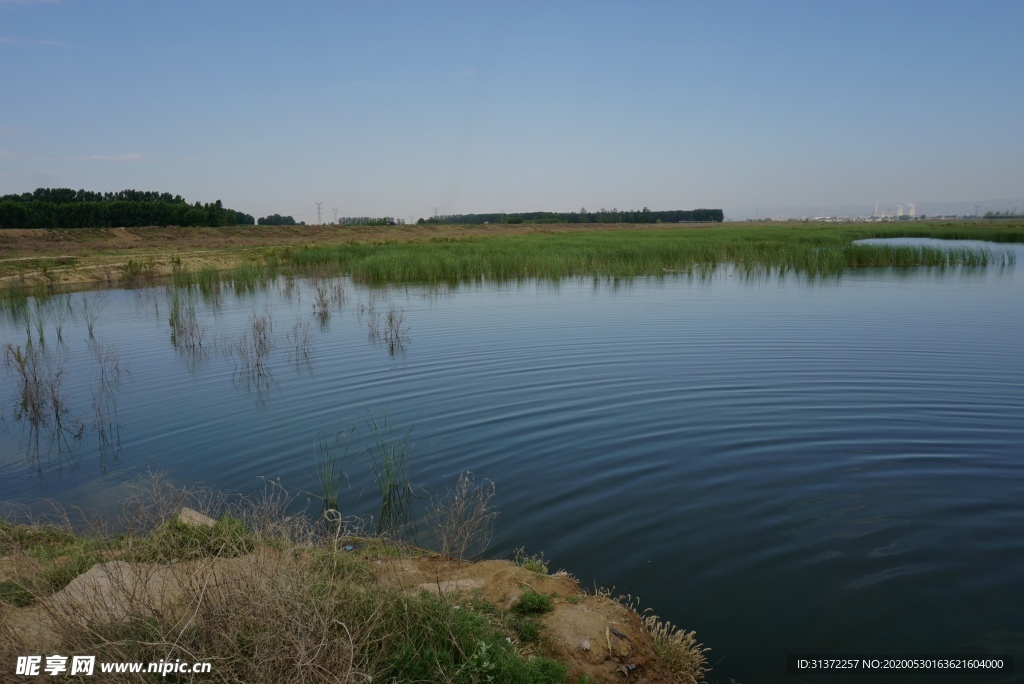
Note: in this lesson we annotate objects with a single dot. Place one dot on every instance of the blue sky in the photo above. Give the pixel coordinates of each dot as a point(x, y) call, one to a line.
point(394, 108)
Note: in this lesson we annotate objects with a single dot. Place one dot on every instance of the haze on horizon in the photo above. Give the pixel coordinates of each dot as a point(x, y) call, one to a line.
point(397, 108)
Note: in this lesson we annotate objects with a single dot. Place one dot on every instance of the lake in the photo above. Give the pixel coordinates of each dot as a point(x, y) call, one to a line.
point(782, 464)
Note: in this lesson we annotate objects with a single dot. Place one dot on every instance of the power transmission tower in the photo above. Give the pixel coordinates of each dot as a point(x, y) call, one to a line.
point(319, 220)
point(435, 211)
point(335, 215)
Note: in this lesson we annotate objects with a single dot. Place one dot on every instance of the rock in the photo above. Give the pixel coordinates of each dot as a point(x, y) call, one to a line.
point(193, 517)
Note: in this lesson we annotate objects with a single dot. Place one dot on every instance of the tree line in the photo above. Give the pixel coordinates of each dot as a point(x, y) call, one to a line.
point(67, 208)
point(370, 221)
point(644, 215)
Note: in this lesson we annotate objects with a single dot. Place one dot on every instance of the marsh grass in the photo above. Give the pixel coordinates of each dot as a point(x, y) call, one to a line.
point(811, 251)
point(91, 306)
point(133, 271)
point(109, 373)
point(43, 405)
point(260, 593)
point(251, 351)
point(679, 649)
point(186, 332)
point(330, 473)
point(389, 455)
point(463, 518)
point(321, 302)
point(299, 342)
point(39, 376)
point(15, 296)
point(396, 333)
point(209, 283)
point(250, 277)
point(39, 315)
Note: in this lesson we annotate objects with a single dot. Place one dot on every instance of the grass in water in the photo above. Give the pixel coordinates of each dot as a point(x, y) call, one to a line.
point(389, 455)
point(631, 252)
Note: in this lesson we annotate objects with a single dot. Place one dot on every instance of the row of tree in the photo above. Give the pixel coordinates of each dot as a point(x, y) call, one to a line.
point(370, 221)
point(278, 220)
point(644, 215)
point(67, 208)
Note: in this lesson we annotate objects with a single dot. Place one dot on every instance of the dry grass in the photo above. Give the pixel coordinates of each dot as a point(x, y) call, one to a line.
point(264, 595)
point(463, 519)
point(679, 648)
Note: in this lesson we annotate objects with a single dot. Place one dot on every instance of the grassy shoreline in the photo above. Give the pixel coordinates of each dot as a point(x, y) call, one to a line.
point(268, 596)
point(62, 258)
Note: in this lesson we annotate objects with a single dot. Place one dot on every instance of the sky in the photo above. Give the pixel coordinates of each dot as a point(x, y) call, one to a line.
point(385, 108)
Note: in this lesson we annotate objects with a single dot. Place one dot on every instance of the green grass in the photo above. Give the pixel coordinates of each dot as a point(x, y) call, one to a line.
point(534, 563)
point(13, 593)
point(389, 455)
point(60, 556)
point(806, 249)
point(176, 541)
point(811, 250)
point(533, 603)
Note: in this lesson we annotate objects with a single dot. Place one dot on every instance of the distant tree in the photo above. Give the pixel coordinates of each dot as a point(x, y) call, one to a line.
point(277, 220)
point(67, 208)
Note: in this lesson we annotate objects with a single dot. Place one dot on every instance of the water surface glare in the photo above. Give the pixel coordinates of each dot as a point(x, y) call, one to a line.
point(782, 465)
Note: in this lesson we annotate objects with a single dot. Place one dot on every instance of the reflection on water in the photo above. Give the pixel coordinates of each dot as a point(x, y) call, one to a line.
point(801, 464)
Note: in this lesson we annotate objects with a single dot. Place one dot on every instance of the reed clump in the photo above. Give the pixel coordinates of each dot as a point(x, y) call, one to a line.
point(679, 648)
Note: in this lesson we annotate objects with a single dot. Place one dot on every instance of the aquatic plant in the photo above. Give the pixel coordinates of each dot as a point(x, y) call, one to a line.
point(42, 403)
point(463, 519)
point(34, 380)
point(90, 307)
point(396, 335)
point(299, 341)
point(321, 301)
point(134, 270)
point(251, 350)
point(186, 332)
point(389, 455)
point(625, 253)
point(329, 473)
point(249, 277)
point(15, 297)
point(108, 373)
point(59, 312)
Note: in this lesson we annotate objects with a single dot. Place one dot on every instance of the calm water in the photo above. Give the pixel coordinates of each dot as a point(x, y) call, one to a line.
point(781, 465)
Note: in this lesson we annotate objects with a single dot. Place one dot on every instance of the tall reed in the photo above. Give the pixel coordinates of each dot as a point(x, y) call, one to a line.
point(90, 308)
point(389, 455)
